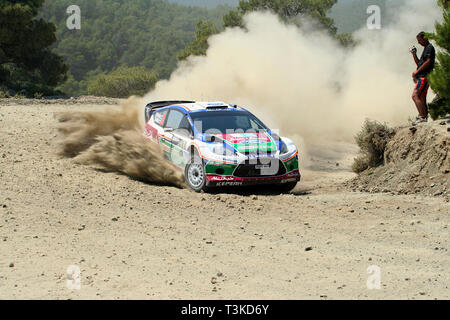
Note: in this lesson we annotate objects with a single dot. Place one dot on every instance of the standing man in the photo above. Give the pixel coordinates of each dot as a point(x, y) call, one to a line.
point(424, 66)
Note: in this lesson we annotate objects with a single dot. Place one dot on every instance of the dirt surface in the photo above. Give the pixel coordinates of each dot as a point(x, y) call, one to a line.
point(133, 240)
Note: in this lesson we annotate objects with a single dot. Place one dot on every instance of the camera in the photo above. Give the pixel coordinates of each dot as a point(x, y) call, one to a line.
point(413, 49)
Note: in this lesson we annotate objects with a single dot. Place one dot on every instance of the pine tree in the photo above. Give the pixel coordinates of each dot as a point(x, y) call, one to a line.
point(440, 77)
point(26, 62)
point(198, 47)
point(287, 10)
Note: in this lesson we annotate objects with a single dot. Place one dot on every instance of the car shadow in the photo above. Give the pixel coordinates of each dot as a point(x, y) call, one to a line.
point(256, 190)
point(262, 190)
point(150, 183)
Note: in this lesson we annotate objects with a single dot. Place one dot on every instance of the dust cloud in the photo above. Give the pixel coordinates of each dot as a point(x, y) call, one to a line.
point(298, 80)
point(112, 140)
point(301, 81)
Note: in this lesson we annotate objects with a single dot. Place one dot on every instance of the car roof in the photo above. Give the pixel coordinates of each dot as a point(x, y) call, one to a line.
point(199, 106)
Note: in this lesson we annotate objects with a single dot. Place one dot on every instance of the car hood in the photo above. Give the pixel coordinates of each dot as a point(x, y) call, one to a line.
point(247, 142)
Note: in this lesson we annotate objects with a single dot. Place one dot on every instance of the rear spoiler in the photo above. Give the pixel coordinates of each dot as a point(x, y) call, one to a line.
point(149, 108)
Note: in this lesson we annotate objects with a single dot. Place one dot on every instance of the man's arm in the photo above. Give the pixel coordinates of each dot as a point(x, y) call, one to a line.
point(416, 60)
point(422, 67)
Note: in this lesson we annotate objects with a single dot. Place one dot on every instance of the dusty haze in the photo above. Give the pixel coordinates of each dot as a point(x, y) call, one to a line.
point(298, 80)
point(302, 81)
point(112, 140)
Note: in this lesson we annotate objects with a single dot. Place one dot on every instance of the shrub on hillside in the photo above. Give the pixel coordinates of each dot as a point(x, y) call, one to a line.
point(440, 77)
point(439, 108)
point(123, 82)
point(372, 141)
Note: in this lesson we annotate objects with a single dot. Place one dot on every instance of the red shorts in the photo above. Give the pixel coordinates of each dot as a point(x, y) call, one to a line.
point(421, 86)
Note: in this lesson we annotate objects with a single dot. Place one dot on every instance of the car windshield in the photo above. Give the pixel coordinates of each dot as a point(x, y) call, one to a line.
point(226, 121)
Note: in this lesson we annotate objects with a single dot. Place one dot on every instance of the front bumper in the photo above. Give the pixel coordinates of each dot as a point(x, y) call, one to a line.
point(252, 172)
point(213, 180)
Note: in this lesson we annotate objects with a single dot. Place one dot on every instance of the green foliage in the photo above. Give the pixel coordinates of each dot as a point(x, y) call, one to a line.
point(439, 108)
point(346, 39)
point(372, 141)
point(287, 10)
point(199, 46)
point(123, 82)
point(114, 33)
point(206, 3)
point(440, 77)
point(26, 63)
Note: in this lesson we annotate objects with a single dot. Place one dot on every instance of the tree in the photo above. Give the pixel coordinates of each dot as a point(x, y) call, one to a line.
point(114, 33)
point(287, 10)
point(440, 77)
point(197, 47)
point(26, 62)
point(123, 82)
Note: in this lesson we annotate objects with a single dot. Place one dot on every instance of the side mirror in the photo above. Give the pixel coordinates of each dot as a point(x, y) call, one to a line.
point(210, 138)
point(168, 129)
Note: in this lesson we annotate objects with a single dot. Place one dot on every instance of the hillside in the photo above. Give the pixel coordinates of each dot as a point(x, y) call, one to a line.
point(113, 33)
point(148, 33)
point(206, 3)
point(417, 160)
point(351, 15)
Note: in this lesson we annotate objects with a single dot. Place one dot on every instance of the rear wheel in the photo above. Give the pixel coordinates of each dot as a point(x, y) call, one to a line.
point(194, 173)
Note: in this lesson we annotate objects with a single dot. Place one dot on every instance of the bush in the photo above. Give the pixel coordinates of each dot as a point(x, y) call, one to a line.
point(123, 82)
point(439, 108)
point(38, 95)
point(372, 141)
point(440, 77)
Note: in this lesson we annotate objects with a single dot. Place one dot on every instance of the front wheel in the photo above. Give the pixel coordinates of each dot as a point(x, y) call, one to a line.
point(194, 174)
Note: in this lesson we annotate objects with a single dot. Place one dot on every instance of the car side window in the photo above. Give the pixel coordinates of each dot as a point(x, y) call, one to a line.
point(184, 124)
point(159, 117)
point(174, 119)
point(185, 127)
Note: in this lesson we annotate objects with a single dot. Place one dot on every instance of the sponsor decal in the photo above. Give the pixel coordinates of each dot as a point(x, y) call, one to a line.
point(219, 103)
point(248, 147)
point(246, 138)
point(150, 131)
point(221, 178)
point(260, 155)
point(293, 174)
point(228, 183)
point(165, 147)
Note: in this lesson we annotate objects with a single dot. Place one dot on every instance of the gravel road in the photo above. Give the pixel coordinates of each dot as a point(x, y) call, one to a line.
point(133, 240)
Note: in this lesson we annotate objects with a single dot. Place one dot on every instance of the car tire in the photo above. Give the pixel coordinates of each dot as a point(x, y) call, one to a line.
point(194, 173)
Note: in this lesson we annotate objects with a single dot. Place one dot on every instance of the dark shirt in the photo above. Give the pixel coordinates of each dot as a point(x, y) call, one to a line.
point(428, 53)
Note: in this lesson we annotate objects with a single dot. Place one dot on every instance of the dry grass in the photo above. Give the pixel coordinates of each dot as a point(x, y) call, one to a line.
point(372, 141)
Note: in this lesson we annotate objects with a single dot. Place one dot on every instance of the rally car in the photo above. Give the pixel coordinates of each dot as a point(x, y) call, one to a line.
point(219, 144)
